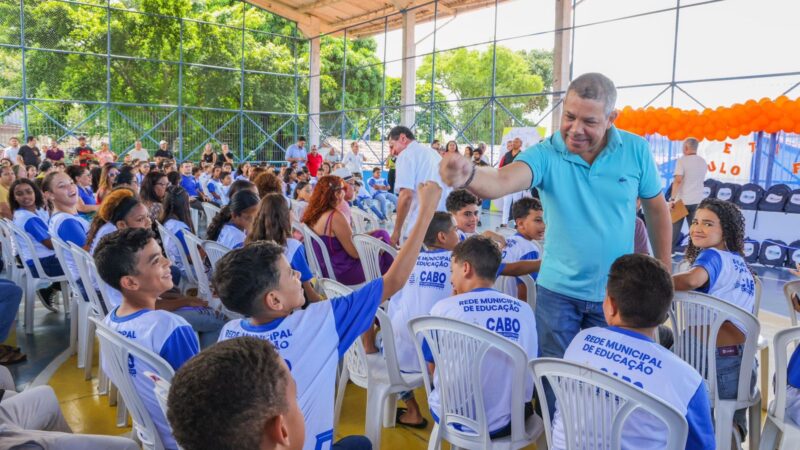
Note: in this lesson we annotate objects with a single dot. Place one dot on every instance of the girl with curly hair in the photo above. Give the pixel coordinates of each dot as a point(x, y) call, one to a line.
point(718, 268)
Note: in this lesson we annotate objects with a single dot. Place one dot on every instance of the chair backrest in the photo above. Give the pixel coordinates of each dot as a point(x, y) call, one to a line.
point(116, 351)
point(757, 294)
point(310, 239)
point(781, 343)
point(683, 266)
point(203, 283)
point(22, 239)
point(61, 250)
point(8, 248)
point(88, 272)
point(355, 358)
point(369, 251)
point(215, 252)
point(594, 406)
point(168, 237)
point(458, 350)
point(389, 349)
point(363, 222)
point(297, 208)
point(530, 286)
point(160, 390)
point(791, 289)
point(210, 210)
point(695, 319)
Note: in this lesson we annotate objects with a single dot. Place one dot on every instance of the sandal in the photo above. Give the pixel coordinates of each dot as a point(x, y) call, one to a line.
point(420, 426)
point(10, 357)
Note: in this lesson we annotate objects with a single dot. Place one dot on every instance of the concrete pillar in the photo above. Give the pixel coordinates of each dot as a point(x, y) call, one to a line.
point(408, 76)
point(313, 92)
point(562, 50)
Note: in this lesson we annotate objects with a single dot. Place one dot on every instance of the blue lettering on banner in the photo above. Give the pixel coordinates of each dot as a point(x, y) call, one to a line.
point(322, 438)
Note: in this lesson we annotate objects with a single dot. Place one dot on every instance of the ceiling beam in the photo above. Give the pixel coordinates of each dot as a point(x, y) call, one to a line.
point(304, 20)
point(317, 4)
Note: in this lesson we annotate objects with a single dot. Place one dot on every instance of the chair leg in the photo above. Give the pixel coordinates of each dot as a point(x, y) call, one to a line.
point(770, 435)
point(112, 393)
point(122, 411)
point(390, 411)
point(79, 327)
point(337, 409)
point(30, 299)
point(89, 352)
point(435, 441)
point(374, 420)
point(66, 295)
point(723, 426)
point(764, 375)
point(754, 417)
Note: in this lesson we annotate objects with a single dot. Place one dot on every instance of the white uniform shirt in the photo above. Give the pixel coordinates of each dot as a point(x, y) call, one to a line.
point(104, 230)
point(173, 251)
point(693, 169)
point(518, 249)
point(69, 228)
point(642, 362)
point(429, 282)
point(170, 337)
point(312, 341)
point(793, 388)
point(35, 224)
point(230, 236)
point(729, 279)
point(417, 164)
point(506, 316)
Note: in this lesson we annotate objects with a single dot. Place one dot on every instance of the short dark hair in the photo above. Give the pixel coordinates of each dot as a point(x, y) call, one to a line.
point(115, 255)
point(241, 382)
point(642, 290)
point(239, 285)
point(301, 139)
point(376, 169)
point(524, 206)
point(30, 138)
point(482, 253)
point(460, 198)
point(37, 193)
point(441, 223)
point(395, 132)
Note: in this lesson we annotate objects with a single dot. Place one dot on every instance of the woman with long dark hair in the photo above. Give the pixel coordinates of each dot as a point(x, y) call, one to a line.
point(152, 192)
point(231, 225)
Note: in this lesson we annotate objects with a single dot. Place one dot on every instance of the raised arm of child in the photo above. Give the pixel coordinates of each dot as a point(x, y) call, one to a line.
point(428, 195)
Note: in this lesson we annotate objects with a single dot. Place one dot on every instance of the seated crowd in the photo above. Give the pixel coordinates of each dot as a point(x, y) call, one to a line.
point(261, 372)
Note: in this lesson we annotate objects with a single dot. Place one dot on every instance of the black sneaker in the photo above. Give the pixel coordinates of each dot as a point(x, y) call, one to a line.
point(47, 297)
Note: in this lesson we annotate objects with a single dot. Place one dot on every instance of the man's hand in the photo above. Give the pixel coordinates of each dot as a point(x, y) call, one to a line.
point(428, 195)
point(454, 169)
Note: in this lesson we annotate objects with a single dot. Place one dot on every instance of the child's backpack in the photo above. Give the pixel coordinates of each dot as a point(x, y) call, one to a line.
point(749, 196)
point(793, 254)
point(751, 250)
point(793, 203)
point(728, 191)
point(710, 187)
point(775, 198)
point(773, 253)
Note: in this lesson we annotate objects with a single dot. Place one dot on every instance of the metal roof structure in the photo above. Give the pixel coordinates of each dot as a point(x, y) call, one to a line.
point(316, 17)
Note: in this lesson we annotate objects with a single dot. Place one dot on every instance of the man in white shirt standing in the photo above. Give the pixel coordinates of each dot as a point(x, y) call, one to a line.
point(352, 161)
point(12, 150)
point(415, 164)
point(297, 152)
point(690, 173)
point(138, 152)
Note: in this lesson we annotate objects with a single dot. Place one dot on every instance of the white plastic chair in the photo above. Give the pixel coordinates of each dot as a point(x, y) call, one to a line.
point(8, 247)
point(160, 390)
point(309, 240)
point(779, 430)
point(195, 214)
point(594, 406)
point(298, 208)
point(210, 210)
point(362, 221)
point(42, 280)
point(203, 283)
point(458, 350)
point(695, 319)
point(215, 252)
point(530, 286)
point(369, 251)
point(380, 375)
point(96, 307)
point(116, 350)
point(79, 309)
point(791, 289)
point(190, 279)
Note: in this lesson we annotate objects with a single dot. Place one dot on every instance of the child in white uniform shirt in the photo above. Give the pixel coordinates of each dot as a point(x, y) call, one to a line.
point(429, 282)
point(314, 339)
point(715, 251)
point(638, 297)
point(465, 208)
point(131, 261)
point(527, 215)
point(475, 264)
point(229, 227)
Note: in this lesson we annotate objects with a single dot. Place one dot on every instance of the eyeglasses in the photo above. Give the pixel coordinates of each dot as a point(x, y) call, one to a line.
point(113, 174)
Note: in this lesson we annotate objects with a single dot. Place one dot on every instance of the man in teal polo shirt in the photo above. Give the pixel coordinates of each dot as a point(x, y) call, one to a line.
point(589, 176)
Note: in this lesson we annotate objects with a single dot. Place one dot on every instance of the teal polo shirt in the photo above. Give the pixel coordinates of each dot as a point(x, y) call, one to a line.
point(590, 210)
